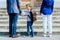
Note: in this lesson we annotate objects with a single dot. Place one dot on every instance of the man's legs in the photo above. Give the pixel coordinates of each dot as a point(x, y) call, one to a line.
point(10, 24)
point(15, 18)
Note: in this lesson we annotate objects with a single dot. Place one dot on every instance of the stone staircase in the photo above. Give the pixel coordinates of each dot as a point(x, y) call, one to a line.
point(21, 25)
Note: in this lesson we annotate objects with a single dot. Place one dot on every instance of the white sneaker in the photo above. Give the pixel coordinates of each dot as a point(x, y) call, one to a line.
point(45, 35)
point(50, 35)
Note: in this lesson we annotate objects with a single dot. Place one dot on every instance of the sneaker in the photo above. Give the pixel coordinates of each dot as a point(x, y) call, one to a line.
point(32, 35)
point(15, 36)
point(10, 35)
point(45, 35)
point(50, 35)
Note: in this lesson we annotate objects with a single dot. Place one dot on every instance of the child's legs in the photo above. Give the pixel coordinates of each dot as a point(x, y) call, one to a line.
point(44, 23)
point(50, 23)
point(28, 28)
point(31, 27)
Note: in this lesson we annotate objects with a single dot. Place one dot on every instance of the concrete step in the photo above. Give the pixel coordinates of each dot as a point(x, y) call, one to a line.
point(37, 9)
point(25, 30)
point(56, 11)
point(24, 25)
point(24, 17)
point(5, 13)
point(22, 22)
point(25, 22)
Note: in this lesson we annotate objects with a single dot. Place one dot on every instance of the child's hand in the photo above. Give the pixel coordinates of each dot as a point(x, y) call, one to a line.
point(23, 14)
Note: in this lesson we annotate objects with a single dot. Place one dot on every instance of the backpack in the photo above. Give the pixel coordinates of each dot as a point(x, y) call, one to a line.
point(33, 16)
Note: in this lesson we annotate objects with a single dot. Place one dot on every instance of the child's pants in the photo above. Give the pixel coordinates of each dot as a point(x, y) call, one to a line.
point(47, 21)
point(29, 27)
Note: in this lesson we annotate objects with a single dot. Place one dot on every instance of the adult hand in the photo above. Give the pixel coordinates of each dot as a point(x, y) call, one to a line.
point(20, 11)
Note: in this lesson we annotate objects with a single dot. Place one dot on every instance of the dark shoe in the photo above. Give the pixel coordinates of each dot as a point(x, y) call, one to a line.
point(32, 35)
point(10, 35)
point(15, 36)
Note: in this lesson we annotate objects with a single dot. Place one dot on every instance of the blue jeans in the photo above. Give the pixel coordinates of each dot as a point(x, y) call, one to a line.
point(13, 17)
point(29, 27)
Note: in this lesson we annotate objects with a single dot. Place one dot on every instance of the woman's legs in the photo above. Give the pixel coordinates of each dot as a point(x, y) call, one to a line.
point(44, 24)
point(47, 21)
point(49, 24)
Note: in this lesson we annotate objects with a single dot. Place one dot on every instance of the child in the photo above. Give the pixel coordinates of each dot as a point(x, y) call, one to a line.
point(46, 10)
point(30, 20)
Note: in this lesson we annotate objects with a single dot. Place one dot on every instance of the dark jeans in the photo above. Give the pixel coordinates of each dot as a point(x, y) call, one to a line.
point(29, 27)
point(13, 17)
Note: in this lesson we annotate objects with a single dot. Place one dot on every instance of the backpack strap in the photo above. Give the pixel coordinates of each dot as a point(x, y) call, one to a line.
point(31, 15)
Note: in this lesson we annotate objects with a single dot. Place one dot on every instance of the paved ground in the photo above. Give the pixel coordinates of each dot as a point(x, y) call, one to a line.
point(5, 36)
point(29, 38)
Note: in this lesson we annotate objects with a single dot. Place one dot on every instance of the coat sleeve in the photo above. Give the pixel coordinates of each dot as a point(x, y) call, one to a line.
point(18, 2)
point(41, 7)
point(19, 6)
point(52, 6)
point(7, 2)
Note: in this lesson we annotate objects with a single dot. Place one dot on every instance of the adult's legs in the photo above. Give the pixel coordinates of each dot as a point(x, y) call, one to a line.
point(44, 24)
point(10, 24)
point(15, 18)
point(50, 25)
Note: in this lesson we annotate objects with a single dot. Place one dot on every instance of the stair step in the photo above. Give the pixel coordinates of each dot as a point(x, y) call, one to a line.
point(5, 25)
point(23, 17)
point(3, 12)
point(6, 20)
point(22, 21)
point(25, 30)
point(37, 9)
